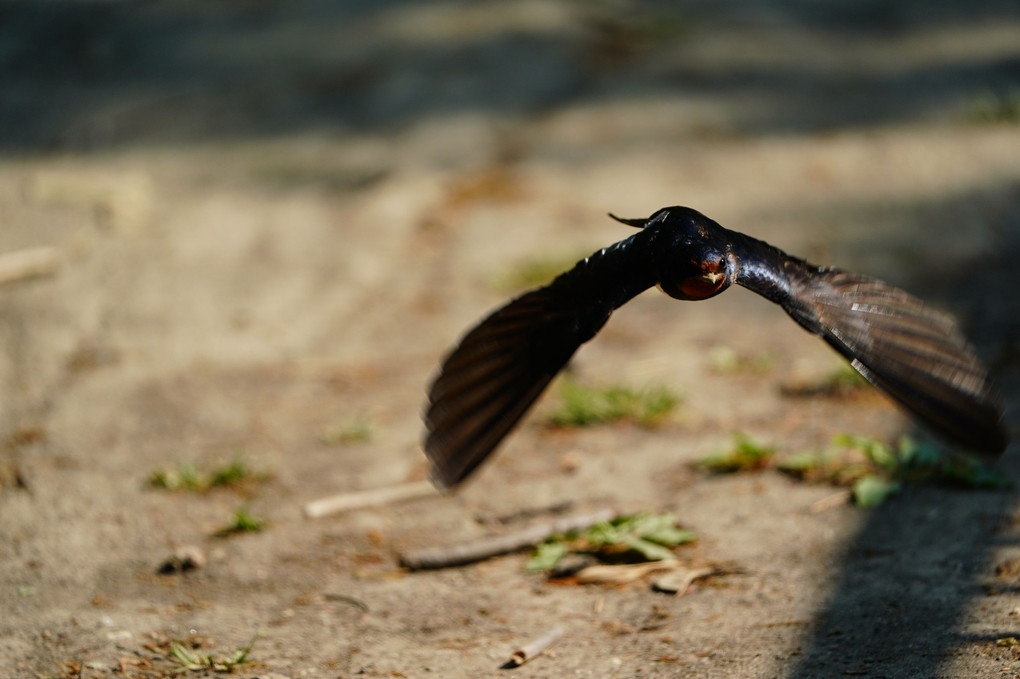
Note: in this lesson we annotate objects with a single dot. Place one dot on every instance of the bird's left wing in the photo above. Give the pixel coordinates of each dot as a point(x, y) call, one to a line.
point(907, 349)
point(500, 367)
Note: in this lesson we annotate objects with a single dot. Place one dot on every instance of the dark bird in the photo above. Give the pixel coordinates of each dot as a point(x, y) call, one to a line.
point(913, 353)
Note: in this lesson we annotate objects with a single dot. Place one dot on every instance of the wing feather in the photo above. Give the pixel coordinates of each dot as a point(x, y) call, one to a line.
point(914, 353)
point(491, 379)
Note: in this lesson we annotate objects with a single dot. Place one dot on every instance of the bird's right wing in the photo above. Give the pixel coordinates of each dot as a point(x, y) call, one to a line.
point(500, 367)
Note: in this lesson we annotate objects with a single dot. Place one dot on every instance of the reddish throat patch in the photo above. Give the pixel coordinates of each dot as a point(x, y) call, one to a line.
point(701, 287)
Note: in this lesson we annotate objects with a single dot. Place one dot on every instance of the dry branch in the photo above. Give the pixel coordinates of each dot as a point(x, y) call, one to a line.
point(534, 648)
point(29, 263)
point(368, 498)
point(469, 552)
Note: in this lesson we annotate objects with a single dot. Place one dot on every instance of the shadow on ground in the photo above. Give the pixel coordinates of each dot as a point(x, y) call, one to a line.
point(923, 557)
point(90, 75)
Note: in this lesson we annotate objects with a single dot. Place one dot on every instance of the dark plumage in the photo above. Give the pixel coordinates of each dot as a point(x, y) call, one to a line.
point(912, 352)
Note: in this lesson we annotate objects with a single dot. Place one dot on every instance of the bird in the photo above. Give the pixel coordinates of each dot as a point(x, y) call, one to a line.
point(497, 371)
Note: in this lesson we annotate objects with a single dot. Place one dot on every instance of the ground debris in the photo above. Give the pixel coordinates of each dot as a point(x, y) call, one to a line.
point(470, 552)
point(533, 648)
point(368, 498)
point(184, 559)
point(29, 263)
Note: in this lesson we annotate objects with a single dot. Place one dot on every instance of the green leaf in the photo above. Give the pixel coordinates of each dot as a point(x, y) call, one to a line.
point(185, 657)
point(242, 522)
point(660, 528)
point(745, 455)
point(871, 490)
point(974, 474)
point(844, 378)
point(602, 533)
point(802, 462)
point(644, 532)
point(726, 360)
point(648, 549)
point(997, 107)
point(186, 476)
point(914, 453)
point(355, 429)
point(240, 656)
point(650, 535)
point(582, 406)
point(879, 453)
point(532, 273)
point(546, 556)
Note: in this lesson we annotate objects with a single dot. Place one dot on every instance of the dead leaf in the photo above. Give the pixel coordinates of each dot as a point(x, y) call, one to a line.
point(621, 574)
point(677, 581)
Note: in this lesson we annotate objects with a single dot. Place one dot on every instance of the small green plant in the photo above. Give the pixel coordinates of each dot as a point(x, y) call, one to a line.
point(548, 555)
point(355, 429)
point(582, 406)
point(845, 378)
point(242, 522)
point(532, 273)
point(842, 381)
point(997, 107)
point(190, 658)
point(834, 465)
point(745, 455)
point(644, 534)
point(872, 490)
point(187, 476)
point(230, 474)
point(875, 471)
point(727, 361)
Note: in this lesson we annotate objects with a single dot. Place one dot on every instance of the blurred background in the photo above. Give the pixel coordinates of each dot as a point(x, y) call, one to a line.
point(93, 76)
point(258, 225)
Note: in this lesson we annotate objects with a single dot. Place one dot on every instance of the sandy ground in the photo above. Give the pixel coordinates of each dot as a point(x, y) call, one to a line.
point(275, 217)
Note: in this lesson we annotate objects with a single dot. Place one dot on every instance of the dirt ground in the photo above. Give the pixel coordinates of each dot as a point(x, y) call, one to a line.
point(274, 218)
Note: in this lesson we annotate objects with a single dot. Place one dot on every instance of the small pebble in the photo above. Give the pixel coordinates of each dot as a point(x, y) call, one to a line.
point(187, 558)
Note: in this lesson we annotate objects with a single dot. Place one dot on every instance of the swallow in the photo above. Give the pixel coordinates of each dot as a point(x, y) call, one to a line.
point(913, 353)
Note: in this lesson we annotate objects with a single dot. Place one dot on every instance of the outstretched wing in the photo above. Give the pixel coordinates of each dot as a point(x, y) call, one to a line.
point(907, 349)
point(501, 366)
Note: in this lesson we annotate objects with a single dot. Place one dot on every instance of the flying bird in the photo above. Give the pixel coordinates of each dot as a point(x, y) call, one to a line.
point(497, 371)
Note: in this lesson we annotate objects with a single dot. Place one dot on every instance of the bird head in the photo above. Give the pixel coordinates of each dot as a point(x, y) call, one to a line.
point(690, 256)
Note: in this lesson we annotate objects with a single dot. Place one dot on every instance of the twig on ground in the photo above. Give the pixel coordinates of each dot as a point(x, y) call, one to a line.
point(831, 501)
point(368, 498)
point(29, 263)
point(469, 552)
point(347, 599)
point(533, 648)
point(525, 514)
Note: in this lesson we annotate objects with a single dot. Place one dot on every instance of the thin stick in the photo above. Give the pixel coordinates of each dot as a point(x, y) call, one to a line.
point(29, 263)
point(830, 501)
point(469, 552)
point(368, 498)
point(534, 648)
